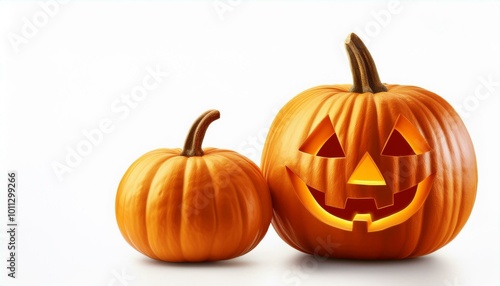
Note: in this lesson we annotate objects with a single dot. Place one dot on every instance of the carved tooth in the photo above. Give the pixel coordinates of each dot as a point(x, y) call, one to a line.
point(361, 222)
point(363, 217)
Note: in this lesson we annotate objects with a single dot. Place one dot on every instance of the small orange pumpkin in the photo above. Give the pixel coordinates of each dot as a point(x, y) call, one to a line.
point(369, 171)
point(193, 204)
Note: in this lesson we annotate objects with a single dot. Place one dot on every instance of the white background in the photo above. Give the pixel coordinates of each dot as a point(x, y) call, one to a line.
point(61, 77)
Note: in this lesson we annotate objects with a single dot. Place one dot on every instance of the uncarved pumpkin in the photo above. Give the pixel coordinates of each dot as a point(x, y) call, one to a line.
point(369, 170)
point(193, 204)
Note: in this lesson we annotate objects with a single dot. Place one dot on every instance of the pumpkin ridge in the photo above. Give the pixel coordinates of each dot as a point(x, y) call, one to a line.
point(345, 115)
point(165, 164)
point(146, 168)
point(458, 184)
point(213, 201)
point(252, 168)
point(359, 121)
point(209, 216)
point(184, 203)
point(175, 240)
point(242, 221)
point(153, 171)
point(426, 231)
point(447, 173)
point(212, 204)
point(236, 205)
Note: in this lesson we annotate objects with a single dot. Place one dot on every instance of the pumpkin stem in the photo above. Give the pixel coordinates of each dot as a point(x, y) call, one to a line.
point(364, 72)
point(194, 139)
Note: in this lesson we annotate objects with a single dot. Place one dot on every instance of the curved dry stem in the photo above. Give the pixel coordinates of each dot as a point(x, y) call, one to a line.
point(364, 72)
point(194, 139)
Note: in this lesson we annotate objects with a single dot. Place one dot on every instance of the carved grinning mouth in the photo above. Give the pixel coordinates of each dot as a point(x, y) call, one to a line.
point(362, 211)
point(356, 206)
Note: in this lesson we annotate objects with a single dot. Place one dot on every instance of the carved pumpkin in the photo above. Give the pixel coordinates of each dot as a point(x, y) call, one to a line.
point(369, 171)
point(193, 204)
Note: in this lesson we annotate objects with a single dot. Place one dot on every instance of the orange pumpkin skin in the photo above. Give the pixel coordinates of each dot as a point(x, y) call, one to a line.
point(443, 171)
point(179, 208)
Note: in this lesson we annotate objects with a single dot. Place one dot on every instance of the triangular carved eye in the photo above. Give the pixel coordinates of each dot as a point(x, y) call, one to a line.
point(397, 146)
point(405, 140)
point(323, 141)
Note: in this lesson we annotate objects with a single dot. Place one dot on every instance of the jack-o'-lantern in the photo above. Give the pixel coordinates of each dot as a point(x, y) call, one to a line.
point(369, 171)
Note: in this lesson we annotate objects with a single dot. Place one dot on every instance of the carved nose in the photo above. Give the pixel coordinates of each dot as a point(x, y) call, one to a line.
point(367, 173)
